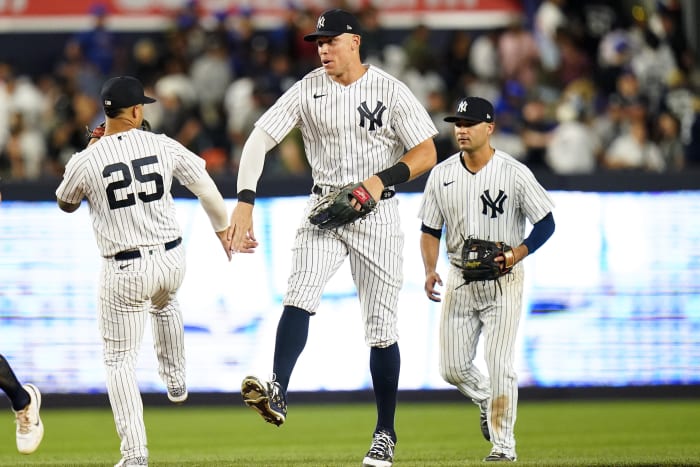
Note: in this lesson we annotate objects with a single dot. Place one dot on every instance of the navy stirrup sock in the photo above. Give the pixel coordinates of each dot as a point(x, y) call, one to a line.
point(385, 364)
point(292, 332)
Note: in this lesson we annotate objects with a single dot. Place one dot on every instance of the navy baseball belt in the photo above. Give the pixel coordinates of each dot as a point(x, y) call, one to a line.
point(386, 194)
point(133, 254)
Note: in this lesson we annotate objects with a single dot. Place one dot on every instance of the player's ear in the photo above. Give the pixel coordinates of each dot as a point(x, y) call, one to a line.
point(355, 42)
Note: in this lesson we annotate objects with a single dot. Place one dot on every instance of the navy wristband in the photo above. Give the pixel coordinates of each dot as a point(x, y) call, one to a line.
point(246, 196)
point(395, 174)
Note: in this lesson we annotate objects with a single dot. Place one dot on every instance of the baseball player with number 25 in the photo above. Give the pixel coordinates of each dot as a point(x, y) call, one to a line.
point(482, 193)
point(363, 127)
point(126, 176)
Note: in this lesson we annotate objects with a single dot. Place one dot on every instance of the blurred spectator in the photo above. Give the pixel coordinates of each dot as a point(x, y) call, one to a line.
point(633, 103)
point(573, 148)
point(682, 101)
point(438, 107)
point(692, 146)
point(483, 56)
point(374, 36)
point(180, 119)
point(549, 19)
point(210, 75)
point(613, 56)
point(652, 62)
point(518, 54)
point(594, 19)
point(667, 24)
point(18, 94)
point(456, 68)
point(24, 153)
point(634, 150)
point(667, 135)
point(147, 60)
point(77, 72)
point(98, 44)
point(573, 64)
point(250, 48)
point(419, 53)
point(535, 131)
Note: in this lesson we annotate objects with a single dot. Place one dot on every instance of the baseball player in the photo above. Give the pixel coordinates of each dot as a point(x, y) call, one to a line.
point(485, 193)
point(126, 177)
point(358, 124)
point(26, 402)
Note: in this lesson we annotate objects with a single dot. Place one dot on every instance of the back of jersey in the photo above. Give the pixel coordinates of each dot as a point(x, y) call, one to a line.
point(126, 179)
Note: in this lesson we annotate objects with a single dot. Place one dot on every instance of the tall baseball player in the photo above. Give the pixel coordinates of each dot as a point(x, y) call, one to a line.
point(126, 177)
point(26, 402)
point(357, 122)
point(483, 193)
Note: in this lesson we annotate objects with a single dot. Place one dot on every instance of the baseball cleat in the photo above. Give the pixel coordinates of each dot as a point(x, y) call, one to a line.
point(484, 424)
point(497, 456)
point(381, 452)
point(139, 461)
point(266, 398)
point(30, 429)
point(177, 395)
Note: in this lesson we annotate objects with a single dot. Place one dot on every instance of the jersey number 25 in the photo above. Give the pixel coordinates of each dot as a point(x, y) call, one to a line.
point(127, 178)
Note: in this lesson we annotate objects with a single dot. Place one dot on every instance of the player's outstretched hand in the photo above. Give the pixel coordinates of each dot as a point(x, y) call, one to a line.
point(431, 279)
point(225, 243)
point(240, 234)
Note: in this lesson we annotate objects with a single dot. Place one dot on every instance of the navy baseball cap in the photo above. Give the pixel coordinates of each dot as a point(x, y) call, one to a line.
point(472, 109)
point(333, 23)
point(123, 91)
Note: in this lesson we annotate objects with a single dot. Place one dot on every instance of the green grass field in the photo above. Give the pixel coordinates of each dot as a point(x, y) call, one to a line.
point(573, 433)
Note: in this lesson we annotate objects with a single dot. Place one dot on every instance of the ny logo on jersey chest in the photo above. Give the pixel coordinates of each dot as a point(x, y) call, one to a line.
point(374, 117)
point(496, 205)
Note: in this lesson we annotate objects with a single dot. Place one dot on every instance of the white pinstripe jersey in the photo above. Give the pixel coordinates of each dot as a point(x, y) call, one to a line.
point(126, 179)
point(350, 132)
point(492, 204)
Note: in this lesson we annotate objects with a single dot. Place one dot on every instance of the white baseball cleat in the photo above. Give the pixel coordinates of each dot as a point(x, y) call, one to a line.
point(141, 461)
point(177, 395)
point(30, 429)
point(381, 452)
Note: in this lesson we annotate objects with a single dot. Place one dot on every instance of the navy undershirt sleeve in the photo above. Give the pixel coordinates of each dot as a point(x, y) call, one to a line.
point(434, 232)
point(541, 231)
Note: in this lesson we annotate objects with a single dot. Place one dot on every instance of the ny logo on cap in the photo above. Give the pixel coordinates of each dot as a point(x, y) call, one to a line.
point(321, 22)
point(462, 106)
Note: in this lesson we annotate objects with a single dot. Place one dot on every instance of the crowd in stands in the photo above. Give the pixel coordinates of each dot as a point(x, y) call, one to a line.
point(578, 87)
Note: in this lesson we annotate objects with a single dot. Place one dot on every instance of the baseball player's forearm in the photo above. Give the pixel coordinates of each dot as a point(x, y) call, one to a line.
point(429, 248)
point(414, 163)
point(420, 158)
point(213, 203)
point(253, 159)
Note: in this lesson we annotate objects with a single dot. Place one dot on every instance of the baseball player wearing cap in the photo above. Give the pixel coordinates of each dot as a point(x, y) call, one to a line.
point(26, 402)
point(358, 124)
point(485, 193)
point(126, 177)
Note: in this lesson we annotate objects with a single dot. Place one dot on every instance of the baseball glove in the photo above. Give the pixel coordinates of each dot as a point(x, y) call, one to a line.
point(99, 131)
point(478, 261)
point(335, 209)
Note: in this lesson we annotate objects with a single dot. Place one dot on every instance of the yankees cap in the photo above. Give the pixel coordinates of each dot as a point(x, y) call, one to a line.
point(333, 23)
point(123, 91)
point(472, 109)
